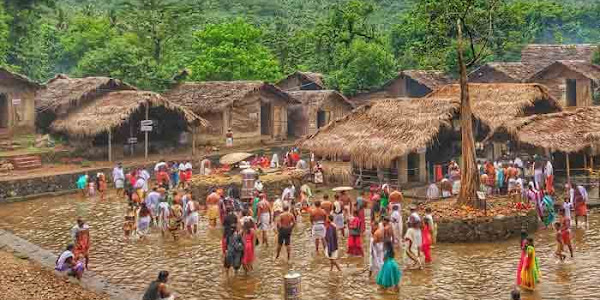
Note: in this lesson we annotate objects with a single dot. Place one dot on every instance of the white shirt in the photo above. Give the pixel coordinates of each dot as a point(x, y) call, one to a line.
point(549, 169)
point(288, 193)
point(118, 174)
point(518, 162)
point(158, 165)
point(567, 206)
point(181, 167)
point(188, 165)
point(433, 192)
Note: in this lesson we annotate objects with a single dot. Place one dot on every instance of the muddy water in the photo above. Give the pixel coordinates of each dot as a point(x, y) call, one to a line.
point(460, 271)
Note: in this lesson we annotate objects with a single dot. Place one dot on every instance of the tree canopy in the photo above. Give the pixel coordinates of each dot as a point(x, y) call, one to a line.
point(357, 44)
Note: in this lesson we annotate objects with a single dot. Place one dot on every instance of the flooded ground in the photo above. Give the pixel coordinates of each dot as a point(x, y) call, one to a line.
point(459, 271)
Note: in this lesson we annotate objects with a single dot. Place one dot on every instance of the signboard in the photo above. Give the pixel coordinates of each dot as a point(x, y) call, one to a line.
point(481, 195)
point(132, 140)
point(16, 101)
point(146, 128)
point(146, 123)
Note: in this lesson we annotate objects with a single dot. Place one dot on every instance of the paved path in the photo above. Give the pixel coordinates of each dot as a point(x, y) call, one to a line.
point(47, 259)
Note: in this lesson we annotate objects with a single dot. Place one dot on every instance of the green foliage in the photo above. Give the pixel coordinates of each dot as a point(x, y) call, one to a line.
point(4, 32)
point(232, 51)
point(364, 66)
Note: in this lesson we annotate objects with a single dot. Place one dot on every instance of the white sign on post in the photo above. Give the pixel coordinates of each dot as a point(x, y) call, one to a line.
point(132, 140)
point(16, 101)
point(146, 123)
point(146, 128)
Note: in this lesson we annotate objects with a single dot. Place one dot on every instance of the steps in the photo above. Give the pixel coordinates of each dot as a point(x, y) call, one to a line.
point(26, 162)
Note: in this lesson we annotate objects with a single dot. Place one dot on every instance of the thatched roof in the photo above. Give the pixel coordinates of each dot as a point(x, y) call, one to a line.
point(112, 110)
point(215, 96)
point(567, 131)
point(516, 71)
point(63, 93)
point(430, 78)
point(5, 74)
point(542, 55)
point(495, 104)
point(377, 133)
point(318, 97)
point(584, 68)
point(316, 78)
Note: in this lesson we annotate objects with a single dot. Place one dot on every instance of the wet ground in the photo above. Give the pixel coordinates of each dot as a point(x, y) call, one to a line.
point(459, 271)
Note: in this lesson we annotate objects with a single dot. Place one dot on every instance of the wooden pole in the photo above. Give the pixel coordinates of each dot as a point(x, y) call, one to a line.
point(568, 168)
point(193, 141)
point(146, 134)
point(585, 161)
point(109, 146)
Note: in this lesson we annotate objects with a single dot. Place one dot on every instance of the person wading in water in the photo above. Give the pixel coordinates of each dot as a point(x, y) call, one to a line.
point(157, 290)
point(285, 224)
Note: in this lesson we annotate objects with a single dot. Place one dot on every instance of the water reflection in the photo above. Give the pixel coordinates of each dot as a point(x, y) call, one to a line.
point(460, 271)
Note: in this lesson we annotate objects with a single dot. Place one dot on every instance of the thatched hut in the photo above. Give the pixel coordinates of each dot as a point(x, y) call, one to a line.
point(572, 82)
point(305, 81)
point(317, 109)
point(408, 83)
point(502, 72)
point(114, 118)
point(64, 94)
point(391, 135)
point(17, 103)
point(542, 55)
point(255, 111)
point(498, 104)
point(572, 132)
point(402, 136)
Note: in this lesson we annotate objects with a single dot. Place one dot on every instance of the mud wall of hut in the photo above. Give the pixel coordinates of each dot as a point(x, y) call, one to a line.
point(555, 78)
point(19, 105)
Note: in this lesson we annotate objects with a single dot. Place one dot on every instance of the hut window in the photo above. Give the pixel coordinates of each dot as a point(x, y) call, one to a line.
point(4, 122)
point(571, 92)
point(322, 118)
point(265, 119)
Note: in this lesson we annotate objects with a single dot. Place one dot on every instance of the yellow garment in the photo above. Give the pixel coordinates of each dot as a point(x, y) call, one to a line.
point(530, 273)
point(213, 212)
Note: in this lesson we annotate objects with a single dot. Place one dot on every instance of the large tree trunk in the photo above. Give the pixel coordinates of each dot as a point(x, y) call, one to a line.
point(470, 176)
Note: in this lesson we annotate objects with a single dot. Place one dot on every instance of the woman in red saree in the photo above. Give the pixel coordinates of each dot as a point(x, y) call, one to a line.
point(426, 240)
point(354, 240)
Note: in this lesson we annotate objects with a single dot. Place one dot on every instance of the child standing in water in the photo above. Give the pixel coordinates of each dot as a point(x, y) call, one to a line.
point(559, 243)
point(427, 239)
point(331, 240)
point(390, 273)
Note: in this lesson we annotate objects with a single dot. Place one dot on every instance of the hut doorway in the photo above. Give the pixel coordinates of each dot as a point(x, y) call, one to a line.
point(413, 167)
point(571, 92)
point(265, 119)
point(4, 111)
point(322, 118)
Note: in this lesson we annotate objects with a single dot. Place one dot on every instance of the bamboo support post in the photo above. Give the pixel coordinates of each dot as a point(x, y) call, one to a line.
point(568, 168)
point(109, 146)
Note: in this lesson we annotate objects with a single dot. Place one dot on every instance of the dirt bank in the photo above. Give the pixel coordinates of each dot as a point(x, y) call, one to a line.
point(22, 279)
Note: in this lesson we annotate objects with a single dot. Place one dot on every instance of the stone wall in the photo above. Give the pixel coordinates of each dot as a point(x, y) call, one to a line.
point(47, 184)
point(485, 229)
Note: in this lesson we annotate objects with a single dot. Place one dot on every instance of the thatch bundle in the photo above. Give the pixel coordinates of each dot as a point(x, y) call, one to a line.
point(337, 173)
point(567, 131)
point(516, 71)
point(215, 96)
point(114, 109)
point(499, 103)
point(430, 78)
point(63, 93)
point(6, 75)
point(377, 133)
point(318, 97)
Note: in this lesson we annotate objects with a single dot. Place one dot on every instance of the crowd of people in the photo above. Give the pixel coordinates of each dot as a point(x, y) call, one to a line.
point(168, 205)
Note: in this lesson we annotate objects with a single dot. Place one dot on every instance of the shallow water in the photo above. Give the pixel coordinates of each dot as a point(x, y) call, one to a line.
point(459, 271)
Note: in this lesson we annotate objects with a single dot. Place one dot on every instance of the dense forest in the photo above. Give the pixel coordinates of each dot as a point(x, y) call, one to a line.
point(357, 44)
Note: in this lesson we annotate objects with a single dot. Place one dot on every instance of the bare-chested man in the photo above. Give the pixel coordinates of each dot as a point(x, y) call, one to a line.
point(347, 203)
point(285, 224)
point(317, 218)
point(376, 253)
point(265, 217)
point(212, 203)
point(326, 204)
